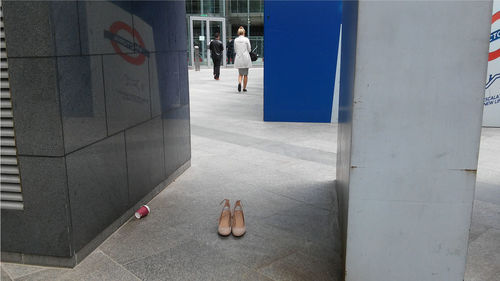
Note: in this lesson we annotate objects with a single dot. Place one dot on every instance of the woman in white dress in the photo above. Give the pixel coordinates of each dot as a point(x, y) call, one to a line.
point(242, 59)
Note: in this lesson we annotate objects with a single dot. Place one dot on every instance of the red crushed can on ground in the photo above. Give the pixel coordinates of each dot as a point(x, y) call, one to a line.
point(142, 212)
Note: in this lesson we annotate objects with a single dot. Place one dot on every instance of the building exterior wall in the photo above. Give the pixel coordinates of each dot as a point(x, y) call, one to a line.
point(101, 110)
point(246, 13)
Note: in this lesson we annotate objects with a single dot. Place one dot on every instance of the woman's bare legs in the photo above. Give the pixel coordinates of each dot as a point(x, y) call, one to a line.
point(239, 83)
point(245, 80)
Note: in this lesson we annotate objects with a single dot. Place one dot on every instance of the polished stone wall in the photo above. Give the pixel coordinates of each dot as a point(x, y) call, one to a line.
point(101, 110)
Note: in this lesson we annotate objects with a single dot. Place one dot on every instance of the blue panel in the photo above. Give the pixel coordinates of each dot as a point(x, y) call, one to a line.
point(348, 59)
point(301, 56)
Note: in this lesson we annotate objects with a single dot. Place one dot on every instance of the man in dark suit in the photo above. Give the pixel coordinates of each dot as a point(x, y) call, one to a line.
point(216, 51)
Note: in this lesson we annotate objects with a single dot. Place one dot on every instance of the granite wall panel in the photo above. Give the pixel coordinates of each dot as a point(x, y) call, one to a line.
point(154, 86)
point(177, 21)
point(28, 28)
point(127, 93)
point(43, 226)
point(101, 98)
point(177, 138)
point(98, 188)
point(183, 79)
point(35, 100)
point(145, 158)
point(41, 28)
point(66, 33)
point(82, 100)
point(168, 74)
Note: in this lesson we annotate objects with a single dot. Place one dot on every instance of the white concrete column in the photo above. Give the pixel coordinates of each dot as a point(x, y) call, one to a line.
point(411, 106)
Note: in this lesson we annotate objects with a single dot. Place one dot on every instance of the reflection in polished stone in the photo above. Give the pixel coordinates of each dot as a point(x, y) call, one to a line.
point(145, 158)
point(127, 93)
point(99, 93)
point(177, 138)
point(82, 100)
point(96, 17)
point(97, 184)
point(154, 86)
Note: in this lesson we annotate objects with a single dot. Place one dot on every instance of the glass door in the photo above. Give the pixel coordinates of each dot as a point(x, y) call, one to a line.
point(202, 31)
point(199, 38)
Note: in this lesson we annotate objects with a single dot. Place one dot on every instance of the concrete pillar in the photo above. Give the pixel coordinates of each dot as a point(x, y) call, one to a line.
point(411, 95)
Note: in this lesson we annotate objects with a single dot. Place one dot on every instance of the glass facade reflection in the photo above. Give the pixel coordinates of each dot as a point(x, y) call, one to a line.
point(235, 13)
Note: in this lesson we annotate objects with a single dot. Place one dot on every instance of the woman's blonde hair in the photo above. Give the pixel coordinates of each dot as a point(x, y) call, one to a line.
point(241, 31)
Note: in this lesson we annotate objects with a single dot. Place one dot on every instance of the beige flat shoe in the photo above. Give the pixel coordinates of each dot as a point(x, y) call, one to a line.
point(238, 226)
point(225, 219)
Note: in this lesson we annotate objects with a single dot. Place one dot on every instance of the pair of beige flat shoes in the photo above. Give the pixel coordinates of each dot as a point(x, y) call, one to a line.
point(232, 222)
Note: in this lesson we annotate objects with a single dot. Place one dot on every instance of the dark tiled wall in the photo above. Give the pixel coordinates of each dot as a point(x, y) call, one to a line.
point(101, 110)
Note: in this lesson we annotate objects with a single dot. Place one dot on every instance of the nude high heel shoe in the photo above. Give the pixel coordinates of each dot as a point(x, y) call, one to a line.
point(225, 219)
point(238, 225)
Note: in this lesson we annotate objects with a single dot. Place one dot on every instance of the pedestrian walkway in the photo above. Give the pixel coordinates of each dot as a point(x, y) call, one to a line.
point(284, 174)
point(483, 257)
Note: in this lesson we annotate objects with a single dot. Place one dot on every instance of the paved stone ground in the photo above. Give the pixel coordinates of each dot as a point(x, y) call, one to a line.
point(284, 175)
point(483, 259)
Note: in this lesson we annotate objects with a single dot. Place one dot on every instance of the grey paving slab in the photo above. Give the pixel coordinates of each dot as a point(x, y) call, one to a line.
point(254, 276)
point(43, 275)
point(486, 213)
point(143, 238)
point(318, 194)
point(307, 221)
point(488, 192)
point(327, 250)
point(483, 257)
point(297, 266)
point(96, 266)
point(15, 270)
point(192, 261)
point(5, 276)
point(252, 250)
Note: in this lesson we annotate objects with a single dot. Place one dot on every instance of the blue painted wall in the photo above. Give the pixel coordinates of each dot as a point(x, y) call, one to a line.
point(301, 55)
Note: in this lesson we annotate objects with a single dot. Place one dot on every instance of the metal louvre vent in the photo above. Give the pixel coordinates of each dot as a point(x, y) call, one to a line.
point(10, 186)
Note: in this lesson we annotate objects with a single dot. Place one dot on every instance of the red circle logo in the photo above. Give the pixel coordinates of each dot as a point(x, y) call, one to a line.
point(119, 25)
point(495, 54)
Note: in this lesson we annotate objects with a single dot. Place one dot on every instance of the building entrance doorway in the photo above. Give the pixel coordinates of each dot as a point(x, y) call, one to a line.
point(201, 32)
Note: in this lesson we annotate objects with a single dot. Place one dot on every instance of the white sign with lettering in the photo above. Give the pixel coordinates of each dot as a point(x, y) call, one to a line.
point(491, 115)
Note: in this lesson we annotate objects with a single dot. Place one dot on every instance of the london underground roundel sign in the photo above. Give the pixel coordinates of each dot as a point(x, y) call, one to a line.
point(495, 35)
point(117, 40)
